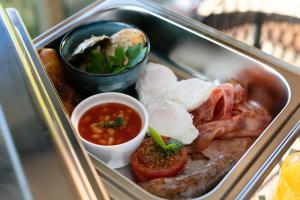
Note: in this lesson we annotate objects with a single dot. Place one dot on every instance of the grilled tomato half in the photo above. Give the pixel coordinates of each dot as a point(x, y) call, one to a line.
point(150, 161)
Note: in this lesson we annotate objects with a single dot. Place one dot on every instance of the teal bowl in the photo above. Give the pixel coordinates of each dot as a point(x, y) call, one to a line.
point(90, 83)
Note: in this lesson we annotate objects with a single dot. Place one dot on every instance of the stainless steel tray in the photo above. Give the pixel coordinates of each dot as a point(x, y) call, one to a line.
point(193, 49)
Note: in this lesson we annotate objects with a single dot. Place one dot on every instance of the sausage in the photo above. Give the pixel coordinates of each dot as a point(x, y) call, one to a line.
point(59, 78)
point(193, 183)
point(52, 63)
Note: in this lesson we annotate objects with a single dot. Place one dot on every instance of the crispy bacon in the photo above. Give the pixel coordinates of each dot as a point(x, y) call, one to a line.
point(246, 119)
point(240, 93)
point(218, 106)
point(246, 124)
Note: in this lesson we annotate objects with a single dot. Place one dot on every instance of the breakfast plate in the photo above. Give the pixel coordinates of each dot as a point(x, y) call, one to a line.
point(191, 51)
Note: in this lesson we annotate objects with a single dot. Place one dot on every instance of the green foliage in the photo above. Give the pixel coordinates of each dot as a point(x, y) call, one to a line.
point(172, 146)
point(97, 60)
point(119, 121)
point(135, 54)
point(122, 60)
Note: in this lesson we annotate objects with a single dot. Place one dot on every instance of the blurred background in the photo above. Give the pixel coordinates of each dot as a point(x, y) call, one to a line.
point(270, 25)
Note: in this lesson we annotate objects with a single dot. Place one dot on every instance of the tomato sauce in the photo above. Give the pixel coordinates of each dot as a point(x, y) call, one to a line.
point(109, 124)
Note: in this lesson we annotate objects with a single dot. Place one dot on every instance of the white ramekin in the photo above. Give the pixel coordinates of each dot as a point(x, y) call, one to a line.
point(115, 156)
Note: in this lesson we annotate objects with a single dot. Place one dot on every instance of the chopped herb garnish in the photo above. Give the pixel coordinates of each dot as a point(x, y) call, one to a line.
point(119, 121)
point(135, 54)
point(122, 59)
point(96, 62)
point(172, 146)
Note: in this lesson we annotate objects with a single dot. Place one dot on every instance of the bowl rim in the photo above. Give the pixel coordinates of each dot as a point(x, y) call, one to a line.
point(143, 129)
point(80, 27)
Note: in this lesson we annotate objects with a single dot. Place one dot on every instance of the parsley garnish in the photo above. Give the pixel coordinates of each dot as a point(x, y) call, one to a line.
point(135, 54)
point(97, 60)
point(172, 146)
point(122, 59)
point(119, 121)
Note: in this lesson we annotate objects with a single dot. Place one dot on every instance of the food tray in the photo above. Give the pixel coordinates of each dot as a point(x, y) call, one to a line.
point(192, 49)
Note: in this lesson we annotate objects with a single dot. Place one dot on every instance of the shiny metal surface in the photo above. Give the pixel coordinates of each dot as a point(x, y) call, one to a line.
point(13, 183)
point(291, 132)
point(193, 49)
point(47, 163)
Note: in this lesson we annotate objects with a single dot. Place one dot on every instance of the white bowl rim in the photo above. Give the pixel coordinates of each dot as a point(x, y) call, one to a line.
point(114, 94)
